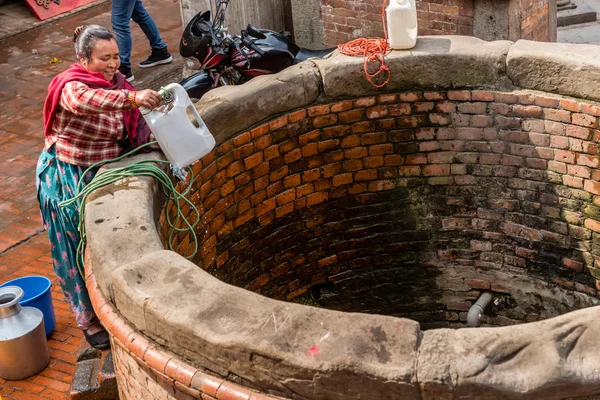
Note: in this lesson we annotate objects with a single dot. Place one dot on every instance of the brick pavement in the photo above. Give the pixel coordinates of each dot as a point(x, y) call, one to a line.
point(28, 61)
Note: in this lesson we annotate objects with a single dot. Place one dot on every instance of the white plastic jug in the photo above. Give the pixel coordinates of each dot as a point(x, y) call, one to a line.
point(181, 141)
point(402, 24)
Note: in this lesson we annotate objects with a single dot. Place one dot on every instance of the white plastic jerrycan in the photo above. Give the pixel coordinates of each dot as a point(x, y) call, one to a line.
point(402, 24)
point(178, 137)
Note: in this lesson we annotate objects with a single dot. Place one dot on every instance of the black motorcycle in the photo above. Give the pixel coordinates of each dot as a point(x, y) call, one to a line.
point(226, 59)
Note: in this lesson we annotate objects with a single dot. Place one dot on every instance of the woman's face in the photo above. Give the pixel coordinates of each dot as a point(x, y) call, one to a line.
point(104, 58)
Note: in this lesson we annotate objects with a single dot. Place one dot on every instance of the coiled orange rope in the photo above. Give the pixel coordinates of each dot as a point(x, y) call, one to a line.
point(371, 50)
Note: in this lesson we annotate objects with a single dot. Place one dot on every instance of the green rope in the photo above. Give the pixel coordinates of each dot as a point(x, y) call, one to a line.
point(137, 169)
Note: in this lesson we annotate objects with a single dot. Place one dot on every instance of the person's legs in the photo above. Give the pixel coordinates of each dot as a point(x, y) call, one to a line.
point(57, 182)
point(120, 18)
point(160, 54)
point(141, 17)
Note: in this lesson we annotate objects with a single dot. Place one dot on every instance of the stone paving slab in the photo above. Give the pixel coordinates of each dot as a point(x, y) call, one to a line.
point(28, 62)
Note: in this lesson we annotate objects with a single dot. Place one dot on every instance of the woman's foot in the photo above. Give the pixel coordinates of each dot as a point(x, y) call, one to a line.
point(97, 337)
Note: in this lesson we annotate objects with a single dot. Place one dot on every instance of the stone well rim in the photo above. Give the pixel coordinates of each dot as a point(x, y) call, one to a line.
point(500, 63)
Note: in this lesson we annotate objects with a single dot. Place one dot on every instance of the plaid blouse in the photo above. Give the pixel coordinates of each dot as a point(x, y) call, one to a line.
point(88, 126)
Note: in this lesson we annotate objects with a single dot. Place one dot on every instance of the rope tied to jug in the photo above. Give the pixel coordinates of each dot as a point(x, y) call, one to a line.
point(372, 50)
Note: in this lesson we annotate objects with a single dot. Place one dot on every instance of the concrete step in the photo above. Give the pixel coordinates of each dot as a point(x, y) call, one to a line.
point(578, 12)
point(94, 377)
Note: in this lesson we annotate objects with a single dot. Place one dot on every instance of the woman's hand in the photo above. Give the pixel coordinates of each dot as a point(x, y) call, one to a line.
point(147, 98)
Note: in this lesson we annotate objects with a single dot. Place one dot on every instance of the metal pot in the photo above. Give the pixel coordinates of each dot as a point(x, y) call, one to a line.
point(23, 346)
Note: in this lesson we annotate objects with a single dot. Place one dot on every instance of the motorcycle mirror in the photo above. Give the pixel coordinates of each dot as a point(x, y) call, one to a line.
point(255, 32)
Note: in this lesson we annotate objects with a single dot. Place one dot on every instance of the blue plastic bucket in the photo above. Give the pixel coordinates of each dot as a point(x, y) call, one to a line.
point(38, 294)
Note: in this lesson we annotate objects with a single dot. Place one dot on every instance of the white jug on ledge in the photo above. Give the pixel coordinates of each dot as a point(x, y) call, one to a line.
point(182, 140)
point(401, 18)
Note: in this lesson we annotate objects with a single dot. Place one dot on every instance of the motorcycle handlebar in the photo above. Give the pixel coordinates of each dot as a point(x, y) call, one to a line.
point(256, 49)
point(250, 43)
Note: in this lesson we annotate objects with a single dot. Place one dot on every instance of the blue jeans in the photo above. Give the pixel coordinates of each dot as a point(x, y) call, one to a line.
point(122, 12)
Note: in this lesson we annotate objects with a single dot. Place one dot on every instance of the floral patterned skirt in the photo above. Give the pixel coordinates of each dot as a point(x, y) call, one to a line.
point(57, 181)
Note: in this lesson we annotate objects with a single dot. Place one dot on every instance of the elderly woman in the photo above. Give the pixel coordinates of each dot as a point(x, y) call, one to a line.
point(90, 115)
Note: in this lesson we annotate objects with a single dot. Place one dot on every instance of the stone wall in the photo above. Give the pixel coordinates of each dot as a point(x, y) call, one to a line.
point(174, 321)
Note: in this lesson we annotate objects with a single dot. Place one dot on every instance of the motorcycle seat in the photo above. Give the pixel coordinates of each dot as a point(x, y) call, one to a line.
point(305, 54)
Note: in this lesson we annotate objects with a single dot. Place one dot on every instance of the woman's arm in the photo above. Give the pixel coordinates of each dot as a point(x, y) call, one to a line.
point(80, 99)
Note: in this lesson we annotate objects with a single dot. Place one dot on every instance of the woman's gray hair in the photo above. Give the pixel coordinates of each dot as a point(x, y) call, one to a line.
point(85, 38)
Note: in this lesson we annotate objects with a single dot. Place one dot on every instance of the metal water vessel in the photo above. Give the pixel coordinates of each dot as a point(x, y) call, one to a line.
point(23, 346)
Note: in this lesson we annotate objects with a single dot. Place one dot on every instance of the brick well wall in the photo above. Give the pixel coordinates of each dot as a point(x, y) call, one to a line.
point(426, 198)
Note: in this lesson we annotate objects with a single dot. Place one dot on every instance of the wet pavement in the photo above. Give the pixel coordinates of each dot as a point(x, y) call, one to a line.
point(28, 62)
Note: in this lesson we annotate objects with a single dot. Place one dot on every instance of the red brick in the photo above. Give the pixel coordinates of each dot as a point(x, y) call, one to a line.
point(472, 108)
point(377, 150)
point(578, 132)
point(592, 187)
point(342, 106)
point(398, 110)
point(311, 175)
point(348, 117)
point(577, 170)
point(316, 198)
point(242, 139)
point(357, 152)
point(381, 185)
point(527, 111)
point(463, 95)
point(482, 95)
point(386, 98)
point(569, 105)
point(265, 207)
point(342, 179)
point(446, 107)
point(278, 123)
point(325, 120)
point(365, 175)
point(550, 102)
point(434, 96)
point(557, 115)
point(410, 96)
point(352, 165)
point(253, 160)
point(572, 181)
point(507, 98)
point(295, 117)
point(309, 137)
point(436, 170)
point(564, 156)
point(292, 156)
point(479, 283)
point(304, 190)
point(440, 119)
point(365, 102)
point(572, 264)
point(377, 112)
point(585, 120)
point(361, 127)
point(589, 161)
point(318, 110)
point(590, 109)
